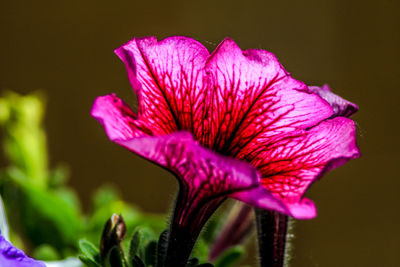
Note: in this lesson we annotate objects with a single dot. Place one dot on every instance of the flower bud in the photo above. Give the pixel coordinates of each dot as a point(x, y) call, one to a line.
point(113, 233)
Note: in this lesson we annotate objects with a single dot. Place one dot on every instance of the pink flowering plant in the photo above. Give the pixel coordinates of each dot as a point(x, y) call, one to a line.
point(228, 124)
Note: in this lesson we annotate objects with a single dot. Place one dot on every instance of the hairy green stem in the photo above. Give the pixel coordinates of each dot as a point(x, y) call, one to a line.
point(186, 224)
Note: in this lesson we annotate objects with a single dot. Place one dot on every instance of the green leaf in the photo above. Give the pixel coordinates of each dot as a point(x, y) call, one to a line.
point(114, 258)
point(88, 262)
point(151, 254)
point(137, 262)
point(134, 245)
point(230, 257)
point(89, 250)
point(147, 236)
point(162, 247)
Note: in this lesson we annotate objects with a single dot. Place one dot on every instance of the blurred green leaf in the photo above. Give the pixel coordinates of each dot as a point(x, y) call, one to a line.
point(4, 111)
point(58, 176)
point(24, 139)
point(230, 257)
point(69, 196)
point(201, 250)
point(211, 230)
point(43, 216)
point(46, 253)
point(105, 195)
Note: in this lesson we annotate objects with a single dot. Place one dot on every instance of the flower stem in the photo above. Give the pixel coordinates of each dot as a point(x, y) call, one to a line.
point(272, 229)
point(189, 217)
point(180, 245)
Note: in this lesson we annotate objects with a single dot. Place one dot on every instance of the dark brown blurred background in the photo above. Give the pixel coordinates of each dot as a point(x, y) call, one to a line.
point(65, 48)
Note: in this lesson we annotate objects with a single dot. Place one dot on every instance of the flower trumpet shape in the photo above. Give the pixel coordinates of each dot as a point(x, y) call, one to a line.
point(231, 123)
point(10, 256)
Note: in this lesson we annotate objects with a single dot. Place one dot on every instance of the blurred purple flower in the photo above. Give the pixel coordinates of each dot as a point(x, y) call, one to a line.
point(11, 256)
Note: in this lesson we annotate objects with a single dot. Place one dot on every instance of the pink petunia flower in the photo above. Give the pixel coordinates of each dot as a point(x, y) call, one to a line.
point(231, 123)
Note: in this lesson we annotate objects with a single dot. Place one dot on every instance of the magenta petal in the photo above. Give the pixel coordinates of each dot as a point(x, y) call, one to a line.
point(118, 119)
point(340, 106)
point(201, 170)
point(207, 175)
point(109, 111)
point(195, 166)
point(203, 173)
point(256, 98)
point(290, 164)
point(169, 81)
point(262, 198)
